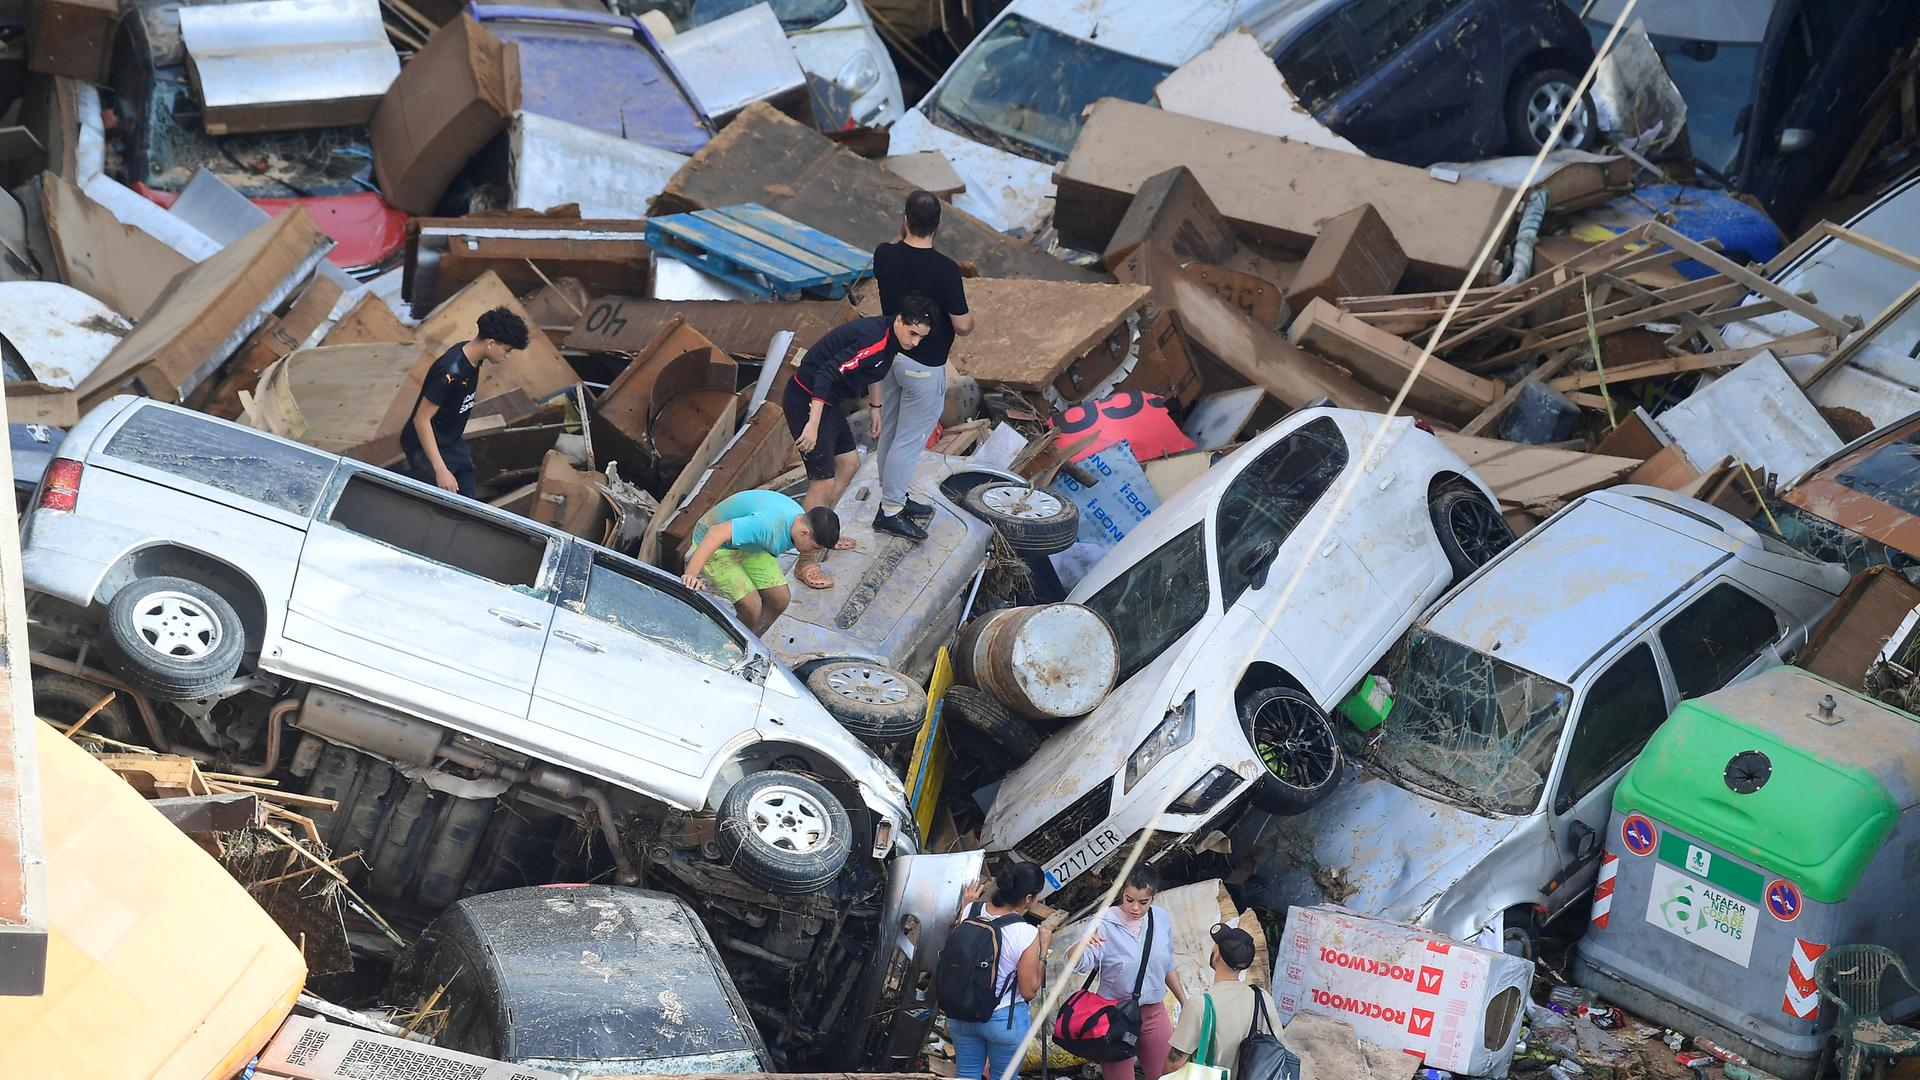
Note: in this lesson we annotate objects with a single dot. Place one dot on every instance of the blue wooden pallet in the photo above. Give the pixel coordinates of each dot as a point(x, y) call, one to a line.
point(768, 254)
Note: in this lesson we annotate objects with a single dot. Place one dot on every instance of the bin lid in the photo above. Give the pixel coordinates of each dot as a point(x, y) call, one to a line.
point(1756, 770)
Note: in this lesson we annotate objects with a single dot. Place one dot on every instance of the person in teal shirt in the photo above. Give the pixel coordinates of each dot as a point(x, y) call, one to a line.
point(738, 544)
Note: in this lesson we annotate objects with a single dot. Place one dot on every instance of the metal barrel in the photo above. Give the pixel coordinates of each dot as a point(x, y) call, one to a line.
point(1048, 662)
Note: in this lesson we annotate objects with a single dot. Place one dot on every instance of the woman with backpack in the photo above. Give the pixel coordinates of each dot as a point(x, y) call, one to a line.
point(1132, 948)
point(989, 969)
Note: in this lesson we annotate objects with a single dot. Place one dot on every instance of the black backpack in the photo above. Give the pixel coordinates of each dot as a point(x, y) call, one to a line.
point(1262, 1055)
point(964, 982)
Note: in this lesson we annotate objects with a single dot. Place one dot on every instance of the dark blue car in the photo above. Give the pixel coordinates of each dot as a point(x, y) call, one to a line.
point(1420, 81)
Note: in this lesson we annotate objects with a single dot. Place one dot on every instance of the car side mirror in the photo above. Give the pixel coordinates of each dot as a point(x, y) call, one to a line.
point(1794, 140)
point(1586, 842)
point(1255, 564)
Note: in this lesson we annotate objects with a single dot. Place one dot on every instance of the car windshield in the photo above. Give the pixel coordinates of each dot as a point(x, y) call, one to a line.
point(1156, 601)
point(1472, 729)
point(267, 165)
point(1890, 474)
point(1715, 79)
point(687, 14)
point(1023, 87)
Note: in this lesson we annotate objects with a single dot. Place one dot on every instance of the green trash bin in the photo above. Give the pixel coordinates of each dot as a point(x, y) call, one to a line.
point(1762, 825)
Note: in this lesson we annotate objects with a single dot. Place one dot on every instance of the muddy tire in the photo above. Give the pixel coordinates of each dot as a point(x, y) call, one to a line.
point(1537, 100)
point(64, 699)
point(879, 705)
point(1033, 520)
point(784, 833)
point(1470, 529)
point(1520, 933)
point(1294, 741)
point(173, 639)
point(985, 730)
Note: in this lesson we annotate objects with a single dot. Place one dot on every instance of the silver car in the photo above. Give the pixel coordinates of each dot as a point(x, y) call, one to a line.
point(493, 703)
point(1520, 699)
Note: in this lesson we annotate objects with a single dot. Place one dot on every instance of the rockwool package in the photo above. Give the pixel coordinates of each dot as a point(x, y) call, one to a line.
point(1449, 1004)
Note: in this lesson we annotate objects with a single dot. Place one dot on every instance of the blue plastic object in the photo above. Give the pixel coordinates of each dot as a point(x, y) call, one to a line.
point(767, 253)
point(1745, 233)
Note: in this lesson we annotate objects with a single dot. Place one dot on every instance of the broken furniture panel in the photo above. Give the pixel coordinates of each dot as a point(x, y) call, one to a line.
point(208, 310)
point(755, 456)
point(928, 170)
point(1273, 191)
point(72, 37)
point(1172, 213)
point(1384, 362)
point(1072, 341)
point(59, 332)
point(626, 324)
point(120, 265)
point(1869, 615)
point(1354, 255)
point(282, 65)
point(454, 95)
point(1755, 414)
point(444, 255)
point(1234, 82)
point(1255, 297)
point(277, 337)
point(767, 158)
point(554, 163)
point(708, 59)
point(569, 499)
point(368, 321)
point(766, 253)
point(537, 369)
point(1537, 479)
point(338, 398)
point(654, 415)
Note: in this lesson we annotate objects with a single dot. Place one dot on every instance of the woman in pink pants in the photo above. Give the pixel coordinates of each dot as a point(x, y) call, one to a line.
point(1118, 947)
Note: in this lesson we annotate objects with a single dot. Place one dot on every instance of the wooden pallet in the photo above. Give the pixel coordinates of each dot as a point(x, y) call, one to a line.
point(768, 254)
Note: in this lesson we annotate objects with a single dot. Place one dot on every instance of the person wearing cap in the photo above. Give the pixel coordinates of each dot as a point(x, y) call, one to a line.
point(1233, 1004)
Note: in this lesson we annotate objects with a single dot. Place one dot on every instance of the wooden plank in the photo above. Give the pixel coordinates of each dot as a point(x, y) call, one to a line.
point(1706, 256)
point(1859, 341)
point(1027, 333)
point(1492, 413)
point(1798, 344)
point(816, 243)
point(1536, 477)
point(1384, 362)
point(1732, 290)
point(1545, 280)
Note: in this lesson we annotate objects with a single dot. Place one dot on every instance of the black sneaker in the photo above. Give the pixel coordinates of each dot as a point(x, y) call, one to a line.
point(898, 525)
point(916, 509)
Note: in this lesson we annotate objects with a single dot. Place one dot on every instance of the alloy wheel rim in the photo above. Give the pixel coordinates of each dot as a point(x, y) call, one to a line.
point(1544, 107)
point(1478, 529)
point(867, 685)
point(788, 819)
point(178, 626)
point(1027, 504)
point(1294, 742)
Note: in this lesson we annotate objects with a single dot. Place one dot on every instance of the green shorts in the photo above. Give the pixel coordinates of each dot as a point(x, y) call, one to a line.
point(736, 573)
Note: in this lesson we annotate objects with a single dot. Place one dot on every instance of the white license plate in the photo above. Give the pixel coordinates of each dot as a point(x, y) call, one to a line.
point(1702, 915)
point(1075, 861)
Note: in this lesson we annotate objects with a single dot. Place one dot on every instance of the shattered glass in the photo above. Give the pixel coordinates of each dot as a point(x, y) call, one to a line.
point(1472, 729)
point(262, 165)
point(1829, 542)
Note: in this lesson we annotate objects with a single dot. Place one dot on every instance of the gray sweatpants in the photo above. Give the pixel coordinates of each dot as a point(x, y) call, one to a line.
point(911, 403)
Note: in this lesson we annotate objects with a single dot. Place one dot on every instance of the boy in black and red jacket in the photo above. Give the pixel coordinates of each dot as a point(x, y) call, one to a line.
point(852, 358)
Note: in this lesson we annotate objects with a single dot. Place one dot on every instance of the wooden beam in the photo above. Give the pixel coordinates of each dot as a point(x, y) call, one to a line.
point(1859, 341)
point(1754, 282)
point(1492, 413)
point(1652, 314)
point(1675, 365)
point(1552, 281)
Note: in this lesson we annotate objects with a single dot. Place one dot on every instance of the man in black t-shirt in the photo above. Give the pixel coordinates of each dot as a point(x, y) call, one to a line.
point(435, 439)
point(915, 390)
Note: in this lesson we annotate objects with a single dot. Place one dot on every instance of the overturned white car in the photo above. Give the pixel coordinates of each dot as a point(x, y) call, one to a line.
point(1227, 679)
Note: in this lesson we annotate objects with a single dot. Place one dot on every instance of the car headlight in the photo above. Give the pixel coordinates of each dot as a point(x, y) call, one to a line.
point(1173, 733)
point(1206, 792)
point(860, 74)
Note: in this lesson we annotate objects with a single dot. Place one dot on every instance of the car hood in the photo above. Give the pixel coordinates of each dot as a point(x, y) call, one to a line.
point(1373, 847)
point(1085, 753)
point(1005, 190)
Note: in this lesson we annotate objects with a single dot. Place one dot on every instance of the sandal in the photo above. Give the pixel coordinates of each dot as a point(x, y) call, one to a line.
point(813, 576)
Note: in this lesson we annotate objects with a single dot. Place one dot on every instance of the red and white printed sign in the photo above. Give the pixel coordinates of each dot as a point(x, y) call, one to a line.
point(1403, 988)
point(1603, 889)
point(1802, 1000)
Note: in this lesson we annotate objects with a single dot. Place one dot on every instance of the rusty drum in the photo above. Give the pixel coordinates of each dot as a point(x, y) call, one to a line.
point(1048, 662)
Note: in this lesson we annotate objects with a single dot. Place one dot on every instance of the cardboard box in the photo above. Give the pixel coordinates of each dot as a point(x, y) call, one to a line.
point(1451, 1005)
point(458, 92)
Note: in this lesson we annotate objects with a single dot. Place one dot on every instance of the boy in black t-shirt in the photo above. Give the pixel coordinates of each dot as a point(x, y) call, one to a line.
point(435, 436)
point(914, 391)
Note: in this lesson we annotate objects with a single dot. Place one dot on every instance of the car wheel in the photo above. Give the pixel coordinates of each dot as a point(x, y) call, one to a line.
point(64, 699)
point(985, 729)
point(173, 639)
point(1520, 933)
point(880, 705)
point(784, 832)
point(1033, 520)
point(1470, 529)
point(1537, 101)
point(1293, 738)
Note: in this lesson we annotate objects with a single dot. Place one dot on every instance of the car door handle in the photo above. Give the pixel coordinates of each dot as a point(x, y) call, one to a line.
point(512, 619)
point(586, 643)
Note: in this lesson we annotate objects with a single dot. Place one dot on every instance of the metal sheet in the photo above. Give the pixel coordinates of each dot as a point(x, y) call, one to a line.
point(733, 62)
point(555, 162)
point(61, 332)
point(1757, 415)
point(259, 66)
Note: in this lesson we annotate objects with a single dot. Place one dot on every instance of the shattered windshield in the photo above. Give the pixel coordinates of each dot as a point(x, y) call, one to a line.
point(1890, 474)
point(1023, 87)
point(267, 165)
point(1472, 729)
point(1161, 598)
